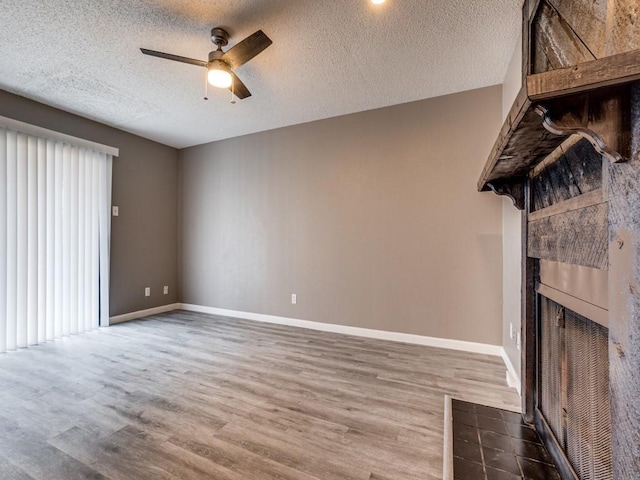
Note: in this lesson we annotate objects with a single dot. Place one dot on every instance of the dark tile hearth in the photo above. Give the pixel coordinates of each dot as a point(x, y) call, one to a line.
point(494, 444)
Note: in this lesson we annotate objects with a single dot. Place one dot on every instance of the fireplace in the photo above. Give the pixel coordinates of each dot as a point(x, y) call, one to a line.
point(568, 155)
point(573, 398)
point(567, 243)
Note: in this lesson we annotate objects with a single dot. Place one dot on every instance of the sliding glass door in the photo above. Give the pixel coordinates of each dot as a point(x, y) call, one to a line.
point(54, 238)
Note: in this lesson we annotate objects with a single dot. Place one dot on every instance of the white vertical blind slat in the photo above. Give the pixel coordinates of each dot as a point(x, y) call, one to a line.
point(86, 261)
point(23, 266)
point(54, 239)
point(73, 241)
point(104, 235)
point(50, 239)
point(58, 225)
point(32, 240)
point(3, 240)
point(66, 240)
point(80, 325)
point(42, 241)
point(95, 239)
point(12, 240)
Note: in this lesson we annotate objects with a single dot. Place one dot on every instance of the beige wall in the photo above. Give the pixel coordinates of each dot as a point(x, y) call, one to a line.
point(372, 219)
point(144, 236)
point(511, 229)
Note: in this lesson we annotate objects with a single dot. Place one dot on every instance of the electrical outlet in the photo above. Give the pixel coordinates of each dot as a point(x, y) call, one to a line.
point(115, 211)
point(518, 340)
point(294, 298)
point(165, 290)
point(147, 291)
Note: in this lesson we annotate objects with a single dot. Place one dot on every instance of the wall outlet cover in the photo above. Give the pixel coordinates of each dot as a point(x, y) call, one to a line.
point(294, 298)
point(147, 291)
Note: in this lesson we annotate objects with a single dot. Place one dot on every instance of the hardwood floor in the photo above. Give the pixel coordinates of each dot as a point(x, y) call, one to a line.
point(193, 396)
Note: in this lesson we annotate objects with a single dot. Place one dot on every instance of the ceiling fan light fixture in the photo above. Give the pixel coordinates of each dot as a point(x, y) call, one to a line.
point(219, 74)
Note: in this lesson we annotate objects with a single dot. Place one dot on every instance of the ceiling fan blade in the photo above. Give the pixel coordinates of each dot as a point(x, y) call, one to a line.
point(248, 48)
point(175, 58)
point(240, 90)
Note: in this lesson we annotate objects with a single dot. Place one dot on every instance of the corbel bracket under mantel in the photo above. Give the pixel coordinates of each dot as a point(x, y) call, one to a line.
point(512, 189)
point(591, 99)
point(596, 141)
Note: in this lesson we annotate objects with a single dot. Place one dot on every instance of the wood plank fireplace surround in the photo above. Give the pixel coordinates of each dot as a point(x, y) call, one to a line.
point(568, 155)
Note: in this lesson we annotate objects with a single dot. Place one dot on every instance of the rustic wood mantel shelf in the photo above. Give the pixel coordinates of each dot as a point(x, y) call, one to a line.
point(585, 99)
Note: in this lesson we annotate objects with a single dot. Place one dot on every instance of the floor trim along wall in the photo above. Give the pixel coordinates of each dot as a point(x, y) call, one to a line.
point(513, 376)
point(143, 313)
point(357, 331)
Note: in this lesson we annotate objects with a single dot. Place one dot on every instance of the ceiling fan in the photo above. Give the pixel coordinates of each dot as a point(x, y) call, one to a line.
point(221, 65)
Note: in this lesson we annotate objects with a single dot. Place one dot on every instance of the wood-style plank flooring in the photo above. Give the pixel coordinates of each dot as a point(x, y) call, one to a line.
point(193, 396)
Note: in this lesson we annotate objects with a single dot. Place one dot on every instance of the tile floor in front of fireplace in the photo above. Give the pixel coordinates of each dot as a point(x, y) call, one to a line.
point(495, 444)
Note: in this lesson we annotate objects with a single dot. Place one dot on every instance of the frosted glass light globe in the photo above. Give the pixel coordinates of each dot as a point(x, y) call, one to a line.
point(219, 78)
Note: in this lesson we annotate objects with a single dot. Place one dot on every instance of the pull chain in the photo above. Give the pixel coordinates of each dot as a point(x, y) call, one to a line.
point(233, 85)
point(206, 85)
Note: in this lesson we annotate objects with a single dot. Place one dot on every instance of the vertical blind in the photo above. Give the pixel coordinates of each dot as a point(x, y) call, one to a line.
point(54, 238)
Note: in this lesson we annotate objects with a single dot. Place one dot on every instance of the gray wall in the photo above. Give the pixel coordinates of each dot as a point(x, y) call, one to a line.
point(144, 237)
point(372, 219)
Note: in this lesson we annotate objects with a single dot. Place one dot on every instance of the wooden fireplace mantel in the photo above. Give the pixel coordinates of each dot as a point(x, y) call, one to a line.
point(584, 99)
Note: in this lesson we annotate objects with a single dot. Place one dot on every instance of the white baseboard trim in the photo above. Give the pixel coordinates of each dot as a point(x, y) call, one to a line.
point(513, 376)
point(356, 331)
point(143, 313)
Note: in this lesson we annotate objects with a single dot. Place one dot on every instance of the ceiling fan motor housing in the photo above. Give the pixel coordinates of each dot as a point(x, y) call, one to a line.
point(215, 55)
point(219, 36)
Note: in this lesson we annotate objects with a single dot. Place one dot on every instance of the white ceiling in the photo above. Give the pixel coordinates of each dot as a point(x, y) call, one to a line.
point(328, 58)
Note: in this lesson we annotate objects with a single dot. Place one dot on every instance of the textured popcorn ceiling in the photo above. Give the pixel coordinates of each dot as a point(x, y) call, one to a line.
point(329, 57)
